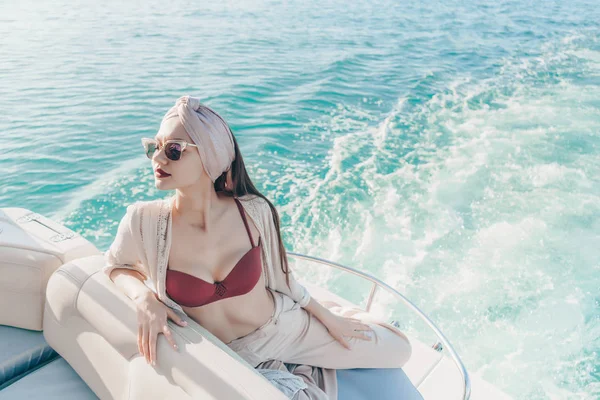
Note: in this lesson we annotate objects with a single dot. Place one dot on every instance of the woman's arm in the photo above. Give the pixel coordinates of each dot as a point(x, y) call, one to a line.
point(316, 309)
point(124, 252)
point(130, 282)
point(339, 327)
point(152, 314)
point(125, 268)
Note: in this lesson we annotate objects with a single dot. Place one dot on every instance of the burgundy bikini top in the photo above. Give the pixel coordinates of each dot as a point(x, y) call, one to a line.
point(191, 291)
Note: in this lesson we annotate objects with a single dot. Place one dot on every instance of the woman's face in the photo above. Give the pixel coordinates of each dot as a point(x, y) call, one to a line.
point(184, 172)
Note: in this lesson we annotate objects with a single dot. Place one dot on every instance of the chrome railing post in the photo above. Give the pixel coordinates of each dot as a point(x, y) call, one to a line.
point(371, 296)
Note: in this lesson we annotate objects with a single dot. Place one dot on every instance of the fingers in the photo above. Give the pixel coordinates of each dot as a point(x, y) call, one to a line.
point(152, 321)
point(362, 327)
point(344, 342)
point(176, 318)
point(152, 345)
point(359, 335)
point(139, 338)
point(145, 349)
point(167, 332)
point(362, 336)
point(148, 341)
point(359, 330)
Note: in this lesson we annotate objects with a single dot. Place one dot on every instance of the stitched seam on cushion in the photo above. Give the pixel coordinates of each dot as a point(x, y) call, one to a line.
point(81, 283)
point(62, 271)
point(81, 287)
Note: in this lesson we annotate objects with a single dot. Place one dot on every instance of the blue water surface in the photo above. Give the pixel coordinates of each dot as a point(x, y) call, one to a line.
point(451, 148)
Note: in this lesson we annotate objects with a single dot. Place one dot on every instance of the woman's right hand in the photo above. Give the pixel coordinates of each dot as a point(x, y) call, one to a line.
point(152, 317)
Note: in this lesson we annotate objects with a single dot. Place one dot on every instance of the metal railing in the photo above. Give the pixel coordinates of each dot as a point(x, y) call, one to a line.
point(377, 283)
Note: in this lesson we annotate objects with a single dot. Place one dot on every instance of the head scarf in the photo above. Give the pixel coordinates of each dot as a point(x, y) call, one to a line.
point(209, 132)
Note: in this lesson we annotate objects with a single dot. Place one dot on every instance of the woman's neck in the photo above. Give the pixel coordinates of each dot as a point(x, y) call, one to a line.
point(199, 209)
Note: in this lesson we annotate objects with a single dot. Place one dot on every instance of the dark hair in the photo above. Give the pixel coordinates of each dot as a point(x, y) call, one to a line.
point(242, 185)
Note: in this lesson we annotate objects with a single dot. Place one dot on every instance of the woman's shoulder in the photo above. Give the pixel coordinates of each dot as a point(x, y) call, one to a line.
point(148, 208)
point(254, 203)
point(250, 197)
point(258, 209)
point(148, 204)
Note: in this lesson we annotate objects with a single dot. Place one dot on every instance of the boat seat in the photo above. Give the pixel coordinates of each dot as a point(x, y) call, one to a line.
point(55, 380)
point(89, 322)
point(93, 325)
point(375, 383)
point(21, 351)
point(32, 248)
point(33, 370)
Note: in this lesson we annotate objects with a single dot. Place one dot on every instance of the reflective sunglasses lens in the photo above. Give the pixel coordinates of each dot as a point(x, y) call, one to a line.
point(173, 151)
point(150, 149)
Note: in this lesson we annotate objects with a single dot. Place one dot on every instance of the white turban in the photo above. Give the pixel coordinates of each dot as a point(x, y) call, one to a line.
point(209, 132)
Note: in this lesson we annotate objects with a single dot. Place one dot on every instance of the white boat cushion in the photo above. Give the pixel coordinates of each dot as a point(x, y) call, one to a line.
point(32, 248)
point(90, 323)
point(93, 325)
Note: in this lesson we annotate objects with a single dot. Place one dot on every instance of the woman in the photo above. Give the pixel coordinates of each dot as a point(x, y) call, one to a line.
point(214, 253)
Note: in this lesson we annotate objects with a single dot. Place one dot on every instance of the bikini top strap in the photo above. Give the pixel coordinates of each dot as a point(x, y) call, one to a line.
point(241, 208)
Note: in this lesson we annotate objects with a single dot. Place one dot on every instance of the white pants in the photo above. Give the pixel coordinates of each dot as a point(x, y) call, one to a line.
point(293, 335)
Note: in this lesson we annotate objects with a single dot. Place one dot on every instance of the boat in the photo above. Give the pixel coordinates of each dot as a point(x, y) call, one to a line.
point(67, 332)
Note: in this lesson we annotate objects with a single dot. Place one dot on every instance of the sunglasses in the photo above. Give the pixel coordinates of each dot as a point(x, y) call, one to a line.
point(173, 148)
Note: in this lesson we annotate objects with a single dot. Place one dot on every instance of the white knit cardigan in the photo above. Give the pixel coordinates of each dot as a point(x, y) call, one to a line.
point(143, 241)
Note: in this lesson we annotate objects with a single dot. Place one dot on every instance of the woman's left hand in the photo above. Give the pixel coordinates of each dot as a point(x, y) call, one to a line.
point(339, 327)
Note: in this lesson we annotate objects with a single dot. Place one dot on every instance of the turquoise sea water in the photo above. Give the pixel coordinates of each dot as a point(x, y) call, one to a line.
point(449, 148)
